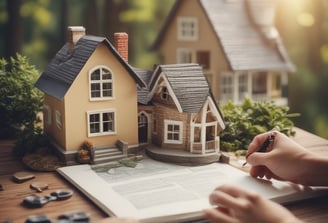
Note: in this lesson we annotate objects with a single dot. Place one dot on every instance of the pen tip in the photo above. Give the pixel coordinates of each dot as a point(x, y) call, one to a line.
point(244, 163)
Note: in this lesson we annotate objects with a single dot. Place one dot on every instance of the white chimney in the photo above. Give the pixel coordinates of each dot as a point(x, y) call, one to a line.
point(74, 34)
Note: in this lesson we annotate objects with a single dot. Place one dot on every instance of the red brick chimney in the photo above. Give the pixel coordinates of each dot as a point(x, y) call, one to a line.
point(74, 34)
point(122, 45)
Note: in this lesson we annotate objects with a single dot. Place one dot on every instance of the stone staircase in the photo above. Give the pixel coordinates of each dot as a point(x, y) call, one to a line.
point(106, 155)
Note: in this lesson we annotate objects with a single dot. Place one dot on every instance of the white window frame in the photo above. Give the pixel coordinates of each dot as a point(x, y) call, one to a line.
point(47, 116)
point(242, 86)
point(187, 28)
point(100, 82)
point(101, 123)
point(227, 88)
point(59, 119)
point(184, 55)
point(166, 131)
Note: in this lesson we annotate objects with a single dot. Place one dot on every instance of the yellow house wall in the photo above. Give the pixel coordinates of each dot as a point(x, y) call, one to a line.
point(58, 134)
point(207, 40)
point(77, 104)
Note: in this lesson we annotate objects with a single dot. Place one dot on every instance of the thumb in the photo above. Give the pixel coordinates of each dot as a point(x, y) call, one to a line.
point(257, 159)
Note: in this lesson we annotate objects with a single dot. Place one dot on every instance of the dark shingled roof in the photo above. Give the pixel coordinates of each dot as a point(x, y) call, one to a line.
point(64, 67)
point(187, 82)
point(143, 93)
point(245, 46)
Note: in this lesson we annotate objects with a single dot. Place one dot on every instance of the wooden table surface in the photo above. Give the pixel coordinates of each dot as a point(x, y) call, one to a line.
point(312, 210)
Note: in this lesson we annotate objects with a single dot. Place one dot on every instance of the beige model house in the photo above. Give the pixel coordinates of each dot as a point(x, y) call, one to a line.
point(236, 43)
point(93, 94)
point(90, 94)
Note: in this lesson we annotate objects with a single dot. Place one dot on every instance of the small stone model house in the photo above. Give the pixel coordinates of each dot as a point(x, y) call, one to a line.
point(90, 94)
point(236, 43)
point(179, 104)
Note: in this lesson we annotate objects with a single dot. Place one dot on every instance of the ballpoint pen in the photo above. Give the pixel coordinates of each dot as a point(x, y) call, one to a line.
point(264, 145)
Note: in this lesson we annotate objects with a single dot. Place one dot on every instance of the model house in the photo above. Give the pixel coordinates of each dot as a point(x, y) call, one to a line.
point(179, 104)
point(236, 43)
point(92, 94)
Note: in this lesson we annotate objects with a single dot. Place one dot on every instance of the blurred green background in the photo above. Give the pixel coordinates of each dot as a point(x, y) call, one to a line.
point(37, 29)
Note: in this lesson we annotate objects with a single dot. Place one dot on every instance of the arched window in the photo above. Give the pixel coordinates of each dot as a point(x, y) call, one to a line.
point(101, 84)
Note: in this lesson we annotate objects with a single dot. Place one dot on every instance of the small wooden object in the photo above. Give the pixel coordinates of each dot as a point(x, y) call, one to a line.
point(39, 186)
point(20, 177)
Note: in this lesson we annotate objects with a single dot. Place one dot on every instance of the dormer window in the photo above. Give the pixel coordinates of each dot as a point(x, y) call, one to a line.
point(165, 94)
point(101, 84)
point(187, 28)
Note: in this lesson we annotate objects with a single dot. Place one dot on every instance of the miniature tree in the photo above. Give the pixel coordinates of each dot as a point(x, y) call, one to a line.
point(20, 101)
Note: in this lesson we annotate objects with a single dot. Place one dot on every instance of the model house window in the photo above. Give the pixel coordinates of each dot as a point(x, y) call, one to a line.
point(47, 114)
point(187, 28)
point(173, 131)
point(165, 94)
point(242, 85)
point(203, 58)
point(259, 83)
point(101, 123)
point(142, 120)
point(59, 121)
point(277, 82)
point(101, 84)
point(183, 55)
point(227, 86)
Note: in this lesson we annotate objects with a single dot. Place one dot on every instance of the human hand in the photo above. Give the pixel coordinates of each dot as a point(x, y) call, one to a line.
point(283, 160)
point(234, 205)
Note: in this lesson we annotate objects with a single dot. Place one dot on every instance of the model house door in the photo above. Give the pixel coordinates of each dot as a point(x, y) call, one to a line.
point(143, 128)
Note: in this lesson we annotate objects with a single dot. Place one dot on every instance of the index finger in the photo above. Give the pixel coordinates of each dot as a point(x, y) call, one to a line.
point(258, 141)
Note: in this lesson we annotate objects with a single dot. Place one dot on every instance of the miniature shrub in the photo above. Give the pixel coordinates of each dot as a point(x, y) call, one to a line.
point(29, 140)
point(85, 152)
point(20, 101)
point(245, 121)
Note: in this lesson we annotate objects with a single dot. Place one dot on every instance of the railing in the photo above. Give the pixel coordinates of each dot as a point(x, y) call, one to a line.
point(210, 147)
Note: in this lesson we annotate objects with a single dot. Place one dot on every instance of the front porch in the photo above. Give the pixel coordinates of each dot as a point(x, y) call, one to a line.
point(181, 157)
point(211, 146)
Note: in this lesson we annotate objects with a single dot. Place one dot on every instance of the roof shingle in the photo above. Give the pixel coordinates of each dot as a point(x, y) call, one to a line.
point(64, 67)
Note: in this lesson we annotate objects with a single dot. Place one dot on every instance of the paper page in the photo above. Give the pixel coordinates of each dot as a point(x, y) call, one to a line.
point(156, 189)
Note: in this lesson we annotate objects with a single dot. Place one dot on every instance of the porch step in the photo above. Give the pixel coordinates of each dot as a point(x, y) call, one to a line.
point(199, 151)
point(107, 154)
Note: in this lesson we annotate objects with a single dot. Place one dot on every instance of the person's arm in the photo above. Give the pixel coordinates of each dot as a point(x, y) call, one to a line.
point(234, 204)
point(287, 160)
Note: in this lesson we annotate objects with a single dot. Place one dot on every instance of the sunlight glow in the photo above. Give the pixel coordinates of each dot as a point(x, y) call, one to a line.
point(305, 19)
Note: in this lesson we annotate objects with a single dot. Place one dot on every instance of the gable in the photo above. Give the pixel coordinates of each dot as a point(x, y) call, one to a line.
point(170, 19)
point(186, 83)
point(64, 67)
point(245, 46)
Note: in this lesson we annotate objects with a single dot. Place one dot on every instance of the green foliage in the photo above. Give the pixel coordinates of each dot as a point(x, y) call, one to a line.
point(130, 162)
point(29, 140)
point(20, 101)
point(249, 119)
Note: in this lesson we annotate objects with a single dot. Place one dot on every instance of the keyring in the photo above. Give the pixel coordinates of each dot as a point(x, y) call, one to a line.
point(34, 201)
point(62, 194)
